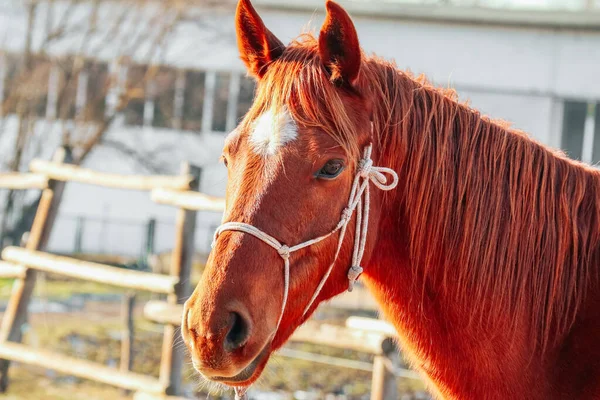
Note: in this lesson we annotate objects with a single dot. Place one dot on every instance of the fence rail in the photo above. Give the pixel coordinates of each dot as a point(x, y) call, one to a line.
point(91, 271)
point(20, 181)
point(9, 270)
point(80, 368)
point(72, 173)
point(188, 200)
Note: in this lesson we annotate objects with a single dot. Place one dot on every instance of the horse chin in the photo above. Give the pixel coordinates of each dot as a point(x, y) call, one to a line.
point(249, 374)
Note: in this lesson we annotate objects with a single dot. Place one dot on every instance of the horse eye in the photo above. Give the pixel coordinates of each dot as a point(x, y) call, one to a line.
point(331, 170)
point(224, 160)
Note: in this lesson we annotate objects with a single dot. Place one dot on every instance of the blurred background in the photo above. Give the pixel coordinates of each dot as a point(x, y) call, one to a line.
point(140, 86)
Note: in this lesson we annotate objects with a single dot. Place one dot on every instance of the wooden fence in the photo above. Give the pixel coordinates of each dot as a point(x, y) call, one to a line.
point(22, 263)
point(182, 192)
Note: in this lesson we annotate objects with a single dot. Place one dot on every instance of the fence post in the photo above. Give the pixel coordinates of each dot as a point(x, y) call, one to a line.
point(79, 235)
point(383, 384)
point(127, 334)
point(149, 243)
point(15, 315)
point(181, 264)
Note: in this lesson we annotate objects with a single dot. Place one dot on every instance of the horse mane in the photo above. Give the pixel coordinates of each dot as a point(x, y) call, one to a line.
point(514, 225)
point(504, 225)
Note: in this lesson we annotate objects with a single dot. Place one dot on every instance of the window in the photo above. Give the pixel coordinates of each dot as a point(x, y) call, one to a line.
point(10, 74)
point(246, 97)
point(581, 131)
point(97, 88)
point(158, 96)
point(163, 93)
point(596, 143)
point(219, 122)
point(193, 100)
point(31, 86)
point(573, 124)
point(136, 89)
point(2, 83)
point(67, 89)
point(36, 85)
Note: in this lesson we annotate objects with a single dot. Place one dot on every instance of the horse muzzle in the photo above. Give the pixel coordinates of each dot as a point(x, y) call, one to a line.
point(221, 344)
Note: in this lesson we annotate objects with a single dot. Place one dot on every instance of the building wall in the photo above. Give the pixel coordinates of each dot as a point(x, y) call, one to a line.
point(520, 74)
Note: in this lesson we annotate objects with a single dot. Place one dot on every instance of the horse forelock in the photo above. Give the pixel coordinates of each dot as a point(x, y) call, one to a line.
point(298, 83)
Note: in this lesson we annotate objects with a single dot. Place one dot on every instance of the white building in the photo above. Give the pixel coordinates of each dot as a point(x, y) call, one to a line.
point(535, 63)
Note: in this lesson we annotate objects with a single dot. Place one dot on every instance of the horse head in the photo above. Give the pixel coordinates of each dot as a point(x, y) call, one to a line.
point(293, 164)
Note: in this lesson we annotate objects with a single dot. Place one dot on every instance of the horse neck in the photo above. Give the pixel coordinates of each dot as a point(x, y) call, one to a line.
point(471, 225)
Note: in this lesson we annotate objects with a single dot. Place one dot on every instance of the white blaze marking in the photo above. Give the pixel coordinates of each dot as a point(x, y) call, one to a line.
point(271, 131)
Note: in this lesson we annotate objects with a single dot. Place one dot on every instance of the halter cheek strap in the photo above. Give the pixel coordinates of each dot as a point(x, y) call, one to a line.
point(358, 201)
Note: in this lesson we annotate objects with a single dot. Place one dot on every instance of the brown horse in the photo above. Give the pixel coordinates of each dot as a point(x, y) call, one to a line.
point(485, 257)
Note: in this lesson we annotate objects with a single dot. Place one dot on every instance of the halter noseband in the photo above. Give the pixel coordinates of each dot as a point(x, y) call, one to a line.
point(360, 188)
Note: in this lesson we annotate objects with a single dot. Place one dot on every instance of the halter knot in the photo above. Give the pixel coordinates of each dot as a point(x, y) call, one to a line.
point(353, 274)
point(346, 214)
point(364, 167)
point(284, 251)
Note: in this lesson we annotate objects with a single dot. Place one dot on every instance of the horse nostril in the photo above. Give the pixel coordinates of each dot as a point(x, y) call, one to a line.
point(238, 332)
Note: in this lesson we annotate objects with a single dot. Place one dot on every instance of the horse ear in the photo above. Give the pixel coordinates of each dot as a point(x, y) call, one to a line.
point(338, 46)
point(258, 46)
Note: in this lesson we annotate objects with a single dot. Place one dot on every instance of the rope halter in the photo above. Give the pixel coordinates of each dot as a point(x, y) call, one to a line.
point(358, 201)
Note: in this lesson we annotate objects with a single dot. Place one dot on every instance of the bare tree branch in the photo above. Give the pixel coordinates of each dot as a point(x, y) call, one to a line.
point(147, 159)
point(135, 30)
